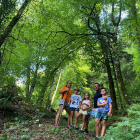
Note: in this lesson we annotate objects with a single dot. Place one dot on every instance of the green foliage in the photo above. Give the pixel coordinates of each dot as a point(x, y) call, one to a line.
point(72, 134)
point(129, 128)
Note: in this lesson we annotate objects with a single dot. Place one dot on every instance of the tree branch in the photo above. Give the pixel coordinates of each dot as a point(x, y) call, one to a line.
point(13, 22)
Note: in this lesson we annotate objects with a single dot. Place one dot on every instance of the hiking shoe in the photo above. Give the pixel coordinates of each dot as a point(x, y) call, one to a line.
point(81, 131)
point(76, 129)
point(67, 127)
point(95, 138)
point(70, 127)
point(86, 132)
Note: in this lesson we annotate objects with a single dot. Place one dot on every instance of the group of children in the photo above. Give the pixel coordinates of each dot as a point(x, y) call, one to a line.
point(79, 106)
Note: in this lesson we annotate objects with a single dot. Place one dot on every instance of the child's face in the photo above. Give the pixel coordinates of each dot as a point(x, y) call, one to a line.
point(75, 91)
point(86, 96)
point(103, 92)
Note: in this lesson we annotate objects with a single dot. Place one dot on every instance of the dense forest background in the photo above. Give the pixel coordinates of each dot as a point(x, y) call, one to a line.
point(45, 43)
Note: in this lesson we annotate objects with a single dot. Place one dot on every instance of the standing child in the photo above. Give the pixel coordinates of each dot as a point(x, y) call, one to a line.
point(103, 113)
point(75, 102)
point(86, 104)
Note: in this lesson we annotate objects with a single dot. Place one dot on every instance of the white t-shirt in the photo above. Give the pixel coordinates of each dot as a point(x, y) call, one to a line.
point(75, 99)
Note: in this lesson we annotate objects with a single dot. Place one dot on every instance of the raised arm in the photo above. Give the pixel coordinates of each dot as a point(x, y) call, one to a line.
point(63, 91)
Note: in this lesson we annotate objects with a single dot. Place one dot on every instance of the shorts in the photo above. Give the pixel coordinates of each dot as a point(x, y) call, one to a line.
point(102, 115)
point(83, 112)
point(92, 114)
point(61, 101)
point(74, 109)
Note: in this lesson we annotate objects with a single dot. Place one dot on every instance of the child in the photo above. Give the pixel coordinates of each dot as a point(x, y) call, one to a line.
point(103, 113)
point(75, 102)
point(86, 104)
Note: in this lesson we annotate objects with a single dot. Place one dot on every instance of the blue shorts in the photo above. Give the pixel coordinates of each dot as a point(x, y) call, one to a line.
point(102, 115)
point(92, 114)
point(74, 109)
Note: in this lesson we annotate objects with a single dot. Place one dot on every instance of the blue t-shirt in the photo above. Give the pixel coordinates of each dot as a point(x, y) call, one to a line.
point(102, 101)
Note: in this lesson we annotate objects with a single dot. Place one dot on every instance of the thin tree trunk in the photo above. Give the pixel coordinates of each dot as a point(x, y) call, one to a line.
point(48, 103)
point(27, 88)
point(33, 82)
point(56, 87)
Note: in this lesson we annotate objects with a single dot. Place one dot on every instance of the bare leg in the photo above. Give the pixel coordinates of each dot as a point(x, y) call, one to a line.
point(76, 113)
point(86, 122)
point(76, 118)
point(103, 127)
point(58, 114)
point(99, 126)
point(97, 122)
point(68, 111)
point(71, 117)
point(83, 121)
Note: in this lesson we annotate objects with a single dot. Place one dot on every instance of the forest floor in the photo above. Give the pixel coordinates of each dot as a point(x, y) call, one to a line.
point(23, 122)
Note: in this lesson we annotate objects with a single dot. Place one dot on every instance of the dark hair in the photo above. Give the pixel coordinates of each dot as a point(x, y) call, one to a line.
point(84, 97)
point(103, 88)
point(98, 84)
point(67, 82)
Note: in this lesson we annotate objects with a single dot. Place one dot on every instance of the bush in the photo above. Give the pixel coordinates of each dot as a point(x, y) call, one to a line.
point(128, 129)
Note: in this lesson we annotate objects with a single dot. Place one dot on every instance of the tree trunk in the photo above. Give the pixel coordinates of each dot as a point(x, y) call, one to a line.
point(137, 26)
point(110, 79)
point(117, 62)
point(115, 77)
point(56, 87)
point(120, 78)
point(33, 83)
point(48, 103)
point(13, 22)
point(27, 88)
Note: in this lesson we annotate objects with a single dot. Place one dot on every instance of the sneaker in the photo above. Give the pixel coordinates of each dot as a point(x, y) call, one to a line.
point(95, 138)
point(81, 131)
point(67, 127)
point(76, 129)
point(86, 132)
point(70, 127)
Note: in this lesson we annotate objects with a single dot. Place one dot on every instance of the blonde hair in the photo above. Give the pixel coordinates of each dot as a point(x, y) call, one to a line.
point(84, 97)
point(76, 89)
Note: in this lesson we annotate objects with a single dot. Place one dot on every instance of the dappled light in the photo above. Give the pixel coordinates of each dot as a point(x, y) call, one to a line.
point(46, 43)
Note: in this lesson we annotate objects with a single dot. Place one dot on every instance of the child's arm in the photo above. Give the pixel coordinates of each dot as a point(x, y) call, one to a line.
point(105, 97)
point(100, 105)
point(110, 109)
point(80, 105)
point(87, 106)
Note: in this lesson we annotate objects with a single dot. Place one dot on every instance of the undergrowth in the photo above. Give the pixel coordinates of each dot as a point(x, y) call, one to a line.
point(128, 128)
